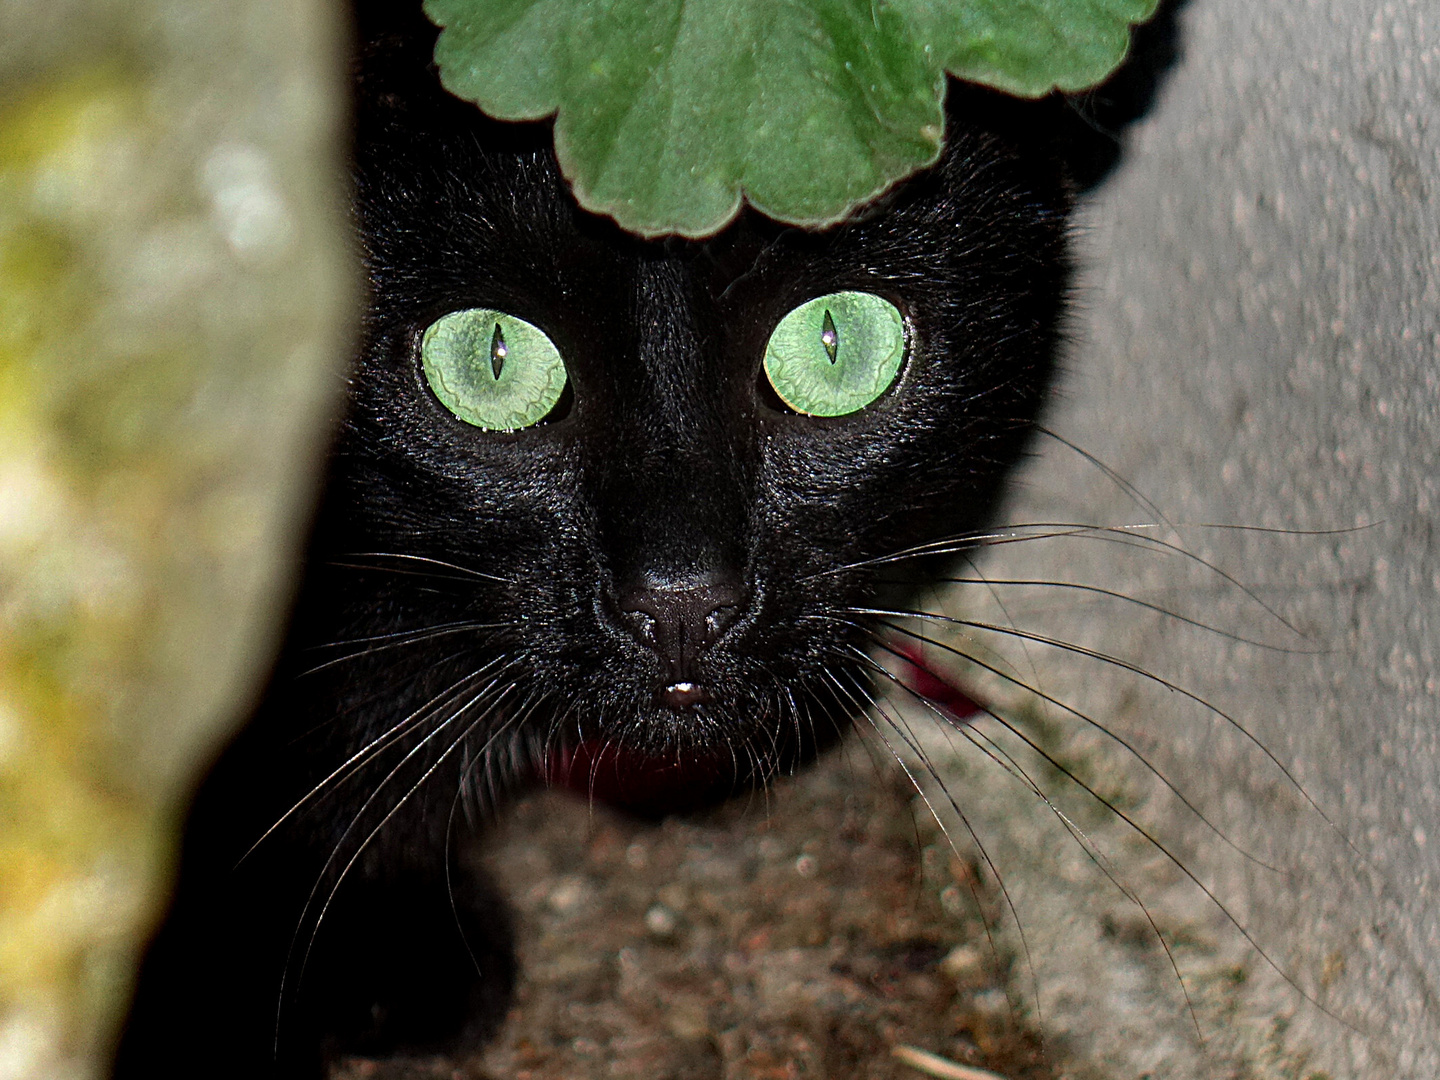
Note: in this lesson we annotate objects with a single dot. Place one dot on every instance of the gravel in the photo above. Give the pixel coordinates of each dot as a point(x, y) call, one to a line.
point(806, 931)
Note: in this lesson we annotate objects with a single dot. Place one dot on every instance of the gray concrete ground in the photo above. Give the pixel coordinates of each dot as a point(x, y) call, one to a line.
point(1260, 347)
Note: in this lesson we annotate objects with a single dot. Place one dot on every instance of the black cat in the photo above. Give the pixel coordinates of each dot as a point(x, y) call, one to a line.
point(638, 559)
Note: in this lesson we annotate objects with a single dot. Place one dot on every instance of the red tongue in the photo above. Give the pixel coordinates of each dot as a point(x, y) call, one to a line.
point(653, 786)
point(922, 679)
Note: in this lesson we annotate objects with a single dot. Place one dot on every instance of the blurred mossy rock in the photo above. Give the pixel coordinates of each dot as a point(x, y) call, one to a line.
point(174, 312)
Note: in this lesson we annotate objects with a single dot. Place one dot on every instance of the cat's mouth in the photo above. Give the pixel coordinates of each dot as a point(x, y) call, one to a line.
point(652, 781)
point(641, 782)
point(684, 694)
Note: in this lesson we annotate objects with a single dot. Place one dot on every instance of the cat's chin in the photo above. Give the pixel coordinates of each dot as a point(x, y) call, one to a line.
point(668, 760)
point(645, 783)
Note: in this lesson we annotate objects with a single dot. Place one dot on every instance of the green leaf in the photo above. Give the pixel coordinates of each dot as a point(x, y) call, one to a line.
point(669, 112)
point(1028, 47)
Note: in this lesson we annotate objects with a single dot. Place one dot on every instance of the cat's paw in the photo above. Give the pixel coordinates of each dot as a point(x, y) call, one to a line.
point(402, 968)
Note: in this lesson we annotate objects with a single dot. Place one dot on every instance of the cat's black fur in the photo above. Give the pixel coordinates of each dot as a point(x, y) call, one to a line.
point(468, 616)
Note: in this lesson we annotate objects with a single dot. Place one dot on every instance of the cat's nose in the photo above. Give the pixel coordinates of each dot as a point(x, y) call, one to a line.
point(680, 622)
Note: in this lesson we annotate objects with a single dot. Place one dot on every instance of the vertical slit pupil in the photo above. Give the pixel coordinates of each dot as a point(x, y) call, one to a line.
point(498, 352)
point(828, 336)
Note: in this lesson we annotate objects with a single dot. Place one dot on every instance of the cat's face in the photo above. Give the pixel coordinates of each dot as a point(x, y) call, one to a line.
point(665, 551)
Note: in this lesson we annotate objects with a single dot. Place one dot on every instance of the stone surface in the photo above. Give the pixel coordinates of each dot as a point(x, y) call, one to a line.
point(1260, 346)
point(174, 295)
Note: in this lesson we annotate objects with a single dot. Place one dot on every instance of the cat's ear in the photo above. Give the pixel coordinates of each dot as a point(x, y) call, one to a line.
point(398, 96)
point(393, 60)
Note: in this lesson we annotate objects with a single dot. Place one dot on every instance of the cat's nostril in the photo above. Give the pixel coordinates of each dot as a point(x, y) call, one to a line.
point(678, 623)
point(642, 624)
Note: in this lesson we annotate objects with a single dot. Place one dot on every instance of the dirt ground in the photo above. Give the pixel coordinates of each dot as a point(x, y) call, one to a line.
point(804, 932)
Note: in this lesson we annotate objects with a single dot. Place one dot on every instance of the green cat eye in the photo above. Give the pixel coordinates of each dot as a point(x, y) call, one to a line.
point(492, 370)
point(836, 354)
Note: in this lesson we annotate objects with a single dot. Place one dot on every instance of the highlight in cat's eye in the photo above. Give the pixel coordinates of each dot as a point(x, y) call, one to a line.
point(836, 354)
point(492, 370)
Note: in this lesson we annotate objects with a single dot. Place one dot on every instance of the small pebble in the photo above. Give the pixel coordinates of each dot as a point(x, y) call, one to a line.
point(964, 964)
point(636, 856)
point(991, 1003)
point(952, 900)
point(567, 896)
point(661, 921)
